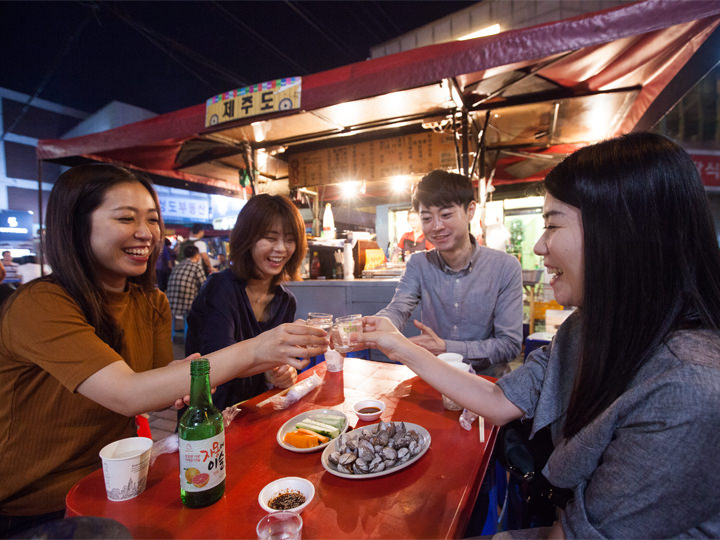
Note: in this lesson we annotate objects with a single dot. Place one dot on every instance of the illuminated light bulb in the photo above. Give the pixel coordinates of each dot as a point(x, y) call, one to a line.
point(349, 188)
point(399, 184)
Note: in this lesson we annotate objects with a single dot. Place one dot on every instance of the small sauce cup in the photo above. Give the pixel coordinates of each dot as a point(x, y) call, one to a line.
point(285, 485)
point(368, 410)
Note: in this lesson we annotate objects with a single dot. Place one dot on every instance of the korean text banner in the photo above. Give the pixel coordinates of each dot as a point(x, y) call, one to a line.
point(262, 98)
point(708, 164)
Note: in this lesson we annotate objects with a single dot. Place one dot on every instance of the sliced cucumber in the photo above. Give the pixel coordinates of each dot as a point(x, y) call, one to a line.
point(332, 420)
point(318, 427)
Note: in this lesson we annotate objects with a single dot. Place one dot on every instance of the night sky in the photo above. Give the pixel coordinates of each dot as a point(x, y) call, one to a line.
point(164, 56)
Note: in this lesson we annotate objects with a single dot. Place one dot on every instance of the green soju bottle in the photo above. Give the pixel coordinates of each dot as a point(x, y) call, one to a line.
point(202, 443)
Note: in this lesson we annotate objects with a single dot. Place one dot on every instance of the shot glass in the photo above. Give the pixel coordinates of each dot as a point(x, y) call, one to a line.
point(286, 525)
point(320, 320)
point(346, 332)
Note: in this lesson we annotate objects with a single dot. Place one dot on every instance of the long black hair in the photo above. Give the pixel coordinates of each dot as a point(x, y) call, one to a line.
point(74, 197)
point(652, 262)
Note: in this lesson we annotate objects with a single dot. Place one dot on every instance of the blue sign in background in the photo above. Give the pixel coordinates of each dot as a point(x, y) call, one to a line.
point(15, 226)
point(184, 209)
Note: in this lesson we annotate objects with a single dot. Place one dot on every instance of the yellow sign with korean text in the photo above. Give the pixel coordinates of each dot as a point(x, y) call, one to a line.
point(262, 98)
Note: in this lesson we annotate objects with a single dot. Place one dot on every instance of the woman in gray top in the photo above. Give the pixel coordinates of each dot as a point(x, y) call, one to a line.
point(630, 386)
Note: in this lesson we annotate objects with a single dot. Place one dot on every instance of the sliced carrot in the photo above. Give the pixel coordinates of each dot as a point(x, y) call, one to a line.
point(322, 438)
point(300, 440)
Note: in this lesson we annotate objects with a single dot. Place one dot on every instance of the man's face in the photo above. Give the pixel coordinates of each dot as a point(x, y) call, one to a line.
point(446, 227)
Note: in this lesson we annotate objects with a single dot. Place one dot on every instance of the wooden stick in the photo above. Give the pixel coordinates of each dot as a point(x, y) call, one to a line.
point(481, 428)
point(240, 403)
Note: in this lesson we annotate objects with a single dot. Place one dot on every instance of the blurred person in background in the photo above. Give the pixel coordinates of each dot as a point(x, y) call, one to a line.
point(222, 264)
point(196, 239)
point(414, 239)
point(184, 283)
point(12, 274)
point(164, 264)
point(5, 289)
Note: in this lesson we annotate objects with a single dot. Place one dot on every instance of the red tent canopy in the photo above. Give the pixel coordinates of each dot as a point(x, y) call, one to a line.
point(532, 94)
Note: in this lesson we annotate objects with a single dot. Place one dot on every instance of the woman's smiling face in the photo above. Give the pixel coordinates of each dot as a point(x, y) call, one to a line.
point(562, 247)
point(124, 230)
point(273, 250)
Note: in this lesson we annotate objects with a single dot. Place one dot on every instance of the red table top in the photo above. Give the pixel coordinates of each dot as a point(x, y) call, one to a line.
point(432, 498)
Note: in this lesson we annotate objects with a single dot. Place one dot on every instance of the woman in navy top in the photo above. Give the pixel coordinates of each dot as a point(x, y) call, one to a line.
point(267, 247)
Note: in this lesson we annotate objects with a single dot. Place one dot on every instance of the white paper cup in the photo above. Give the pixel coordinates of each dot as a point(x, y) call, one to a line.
point(450, 357)
point(125, 467)
point(334, 360)
point(448, 403)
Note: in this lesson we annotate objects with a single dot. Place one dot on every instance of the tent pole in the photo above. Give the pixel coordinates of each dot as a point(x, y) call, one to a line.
point(41, 234)
point(464, 134)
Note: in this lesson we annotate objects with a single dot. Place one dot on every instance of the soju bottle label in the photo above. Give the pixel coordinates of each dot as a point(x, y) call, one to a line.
point(202, 463)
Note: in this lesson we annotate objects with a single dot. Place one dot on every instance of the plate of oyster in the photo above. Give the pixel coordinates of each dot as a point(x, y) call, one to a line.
point(375, 450)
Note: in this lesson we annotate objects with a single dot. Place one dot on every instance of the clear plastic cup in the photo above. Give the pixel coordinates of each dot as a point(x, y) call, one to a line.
point(334, 361)
point(448, 403)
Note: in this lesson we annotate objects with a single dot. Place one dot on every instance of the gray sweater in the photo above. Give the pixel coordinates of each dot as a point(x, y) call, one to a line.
point(647, 467)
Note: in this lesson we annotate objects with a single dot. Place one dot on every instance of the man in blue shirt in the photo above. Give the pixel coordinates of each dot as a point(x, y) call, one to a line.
point(470, 296)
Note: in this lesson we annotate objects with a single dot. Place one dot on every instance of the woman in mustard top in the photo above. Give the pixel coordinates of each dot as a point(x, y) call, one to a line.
point(85, 349)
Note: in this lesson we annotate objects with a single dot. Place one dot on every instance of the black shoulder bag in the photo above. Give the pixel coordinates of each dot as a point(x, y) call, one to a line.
point(532, 499)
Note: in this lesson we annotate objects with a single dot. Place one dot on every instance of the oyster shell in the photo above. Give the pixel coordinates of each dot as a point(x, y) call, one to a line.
point(377, 448)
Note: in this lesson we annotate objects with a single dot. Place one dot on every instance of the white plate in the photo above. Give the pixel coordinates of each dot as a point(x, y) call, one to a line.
point(290, 426)
point(424, 438)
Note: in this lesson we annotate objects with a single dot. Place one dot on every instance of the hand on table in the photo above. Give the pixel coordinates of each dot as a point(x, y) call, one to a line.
point(428, 339)
point(281, 376)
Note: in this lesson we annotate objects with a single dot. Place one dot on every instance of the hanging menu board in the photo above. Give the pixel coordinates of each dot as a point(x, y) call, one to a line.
point(373, 160)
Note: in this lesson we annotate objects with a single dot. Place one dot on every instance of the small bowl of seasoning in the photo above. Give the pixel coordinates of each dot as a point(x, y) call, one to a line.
point(290, 493)
point(369, 409)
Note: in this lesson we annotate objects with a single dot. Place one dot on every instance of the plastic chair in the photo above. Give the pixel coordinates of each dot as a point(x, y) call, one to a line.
point(143, 426)
point(174, 325)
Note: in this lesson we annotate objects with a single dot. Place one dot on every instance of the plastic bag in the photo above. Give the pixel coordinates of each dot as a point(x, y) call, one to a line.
point(296, 392)
point(467, 418)
point(229, 414)
point(168, 445)
point(466, 421)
